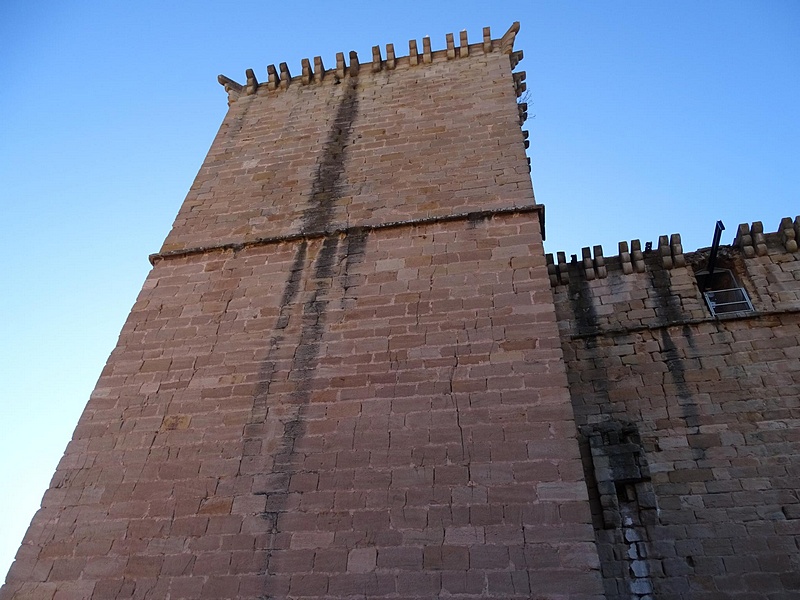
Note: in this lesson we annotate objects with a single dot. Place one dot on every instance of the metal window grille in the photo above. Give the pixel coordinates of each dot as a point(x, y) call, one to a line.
point(726, 302)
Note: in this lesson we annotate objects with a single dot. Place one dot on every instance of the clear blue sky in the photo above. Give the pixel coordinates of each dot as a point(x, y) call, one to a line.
point(650, 118)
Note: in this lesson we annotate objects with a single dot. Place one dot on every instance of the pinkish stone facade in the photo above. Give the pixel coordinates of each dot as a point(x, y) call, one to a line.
point(343, 376)
point(353, 373)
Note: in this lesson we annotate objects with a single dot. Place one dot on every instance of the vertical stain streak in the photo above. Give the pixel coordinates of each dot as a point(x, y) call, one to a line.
point(670, 311)
point(690, 412)
point(326, 191)
point(669, 306)
point(290, 292)
point(580, 299)
point(326, 188)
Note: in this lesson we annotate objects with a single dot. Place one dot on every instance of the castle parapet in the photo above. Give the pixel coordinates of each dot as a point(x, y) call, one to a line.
point(281, 78)
point(750, 240)
point(662, 285)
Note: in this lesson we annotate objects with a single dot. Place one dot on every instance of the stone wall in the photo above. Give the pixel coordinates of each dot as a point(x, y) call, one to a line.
point(353, 372)
point(690, 424)
point(343, 377)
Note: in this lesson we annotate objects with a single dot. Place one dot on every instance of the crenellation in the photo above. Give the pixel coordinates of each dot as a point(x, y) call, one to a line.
point(319, 69)
point(306, 72)
point(463, 50)
point(790, 231)
point(451, 46)
point(252, 83)
point(286, 77)
point(676, 250)
point(281, 78)
point(588, 264)
point(759, 241)
point(507, 41)
point(354, 67)
point(340, 66)
point(413, 54)
point(563, 272)
point(666, 252)
point(637, 257)
point(519, 83)
point(599, 263)
point(391, 62)
point(625, 258)
point(750, 241)
point(744, 240)
point(427, 57)
point(233, 89)
point(376, 59)
point(273, 79)
point(522, 109)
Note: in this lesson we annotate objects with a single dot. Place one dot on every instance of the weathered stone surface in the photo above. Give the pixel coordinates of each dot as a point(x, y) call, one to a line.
point(343, 375)
point(713, 404)
point(353, 372)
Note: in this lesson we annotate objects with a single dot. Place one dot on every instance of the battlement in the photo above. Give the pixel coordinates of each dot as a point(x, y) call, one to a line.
point(315, 73)
point(750, 240)
point(661, 286)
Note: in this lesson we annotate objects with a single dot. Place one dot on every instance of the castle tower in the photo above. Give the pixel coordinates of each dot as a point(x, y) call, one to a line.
point(343, 376)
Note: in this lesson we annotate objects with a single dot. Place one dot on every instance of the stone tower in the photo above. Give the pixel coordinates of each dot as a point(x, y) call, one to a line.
point(343, 376)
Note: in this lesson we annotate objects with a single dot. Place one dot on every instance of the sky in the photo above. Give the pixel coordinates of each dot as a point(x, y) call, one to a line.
point(645, 119)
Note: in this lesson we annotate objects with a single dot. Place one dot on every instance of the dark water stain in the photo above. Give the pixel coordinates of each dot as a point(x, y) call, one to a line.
point(669, 310)
point(327, 184)
point(668, 306)
point(580, 299)
point(326, 191)
point(267, 370)
point(354, 254)
point(689, 412)
point(586, 323)
point(317, 217)
point(607, 536)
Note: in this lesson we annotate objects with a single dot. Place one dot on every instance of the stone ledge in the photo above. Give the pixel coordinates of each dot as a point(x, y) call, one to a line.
point(265, 241)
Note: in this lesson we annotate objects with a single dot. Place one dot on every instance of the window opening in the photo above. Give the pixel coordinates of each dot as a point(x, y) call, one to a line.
point(722, 293)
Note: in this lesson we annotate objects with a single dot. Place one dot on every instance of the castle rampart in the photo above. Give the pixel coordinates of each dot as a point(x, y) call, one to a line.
point(689, 421)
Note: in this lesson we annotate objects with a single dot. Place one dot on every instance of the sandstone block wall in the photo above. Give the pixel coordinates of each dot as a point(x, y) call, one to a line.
point(690, 425)
point(405, 143)
point(343, 376)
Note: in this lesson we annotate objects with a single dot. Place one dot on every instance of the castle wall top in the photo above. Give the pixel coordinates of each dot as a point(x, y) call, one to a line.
point(363, 146)
point(281, 77)
point(751, 241)
point(663, 286)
